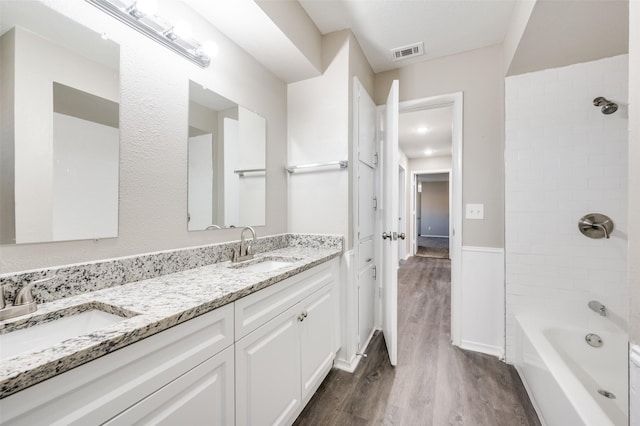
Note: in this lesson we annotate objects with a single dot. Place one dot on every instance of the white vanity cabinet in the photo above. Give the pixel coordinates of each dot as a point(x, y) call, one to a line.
point(285, 349)
point(285, 342)
point(203, 395)
point(186, 365)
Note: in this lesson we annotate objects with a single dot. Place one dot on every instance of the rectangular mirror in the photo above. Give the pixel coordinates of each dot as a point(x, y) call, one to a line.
point(227, 150)
point(59, 128)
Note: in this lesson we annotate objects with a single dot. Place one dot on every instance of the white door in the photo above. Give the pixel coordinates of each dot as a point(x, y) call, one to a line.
point(390, 224)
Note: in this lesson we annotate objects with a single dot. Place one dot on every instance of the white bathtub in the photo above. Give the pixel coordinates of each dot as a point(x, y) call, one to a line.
point(562, 373)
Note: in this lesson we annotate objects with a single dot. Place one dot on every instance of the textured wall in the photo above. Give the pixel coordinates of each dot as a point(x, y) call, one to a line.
point(564, 159)
point(479, 75)
point(434, 212)
point(154, 89)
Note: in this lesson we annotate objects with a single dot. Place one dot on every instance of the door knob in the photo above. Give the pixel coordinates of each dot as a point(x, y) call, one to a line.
point(385, 235)
point(401, 236)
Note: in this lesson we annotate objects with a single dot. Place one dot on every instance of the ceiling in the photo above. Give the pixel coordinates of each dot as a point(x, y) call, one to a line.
point(446, 27)
point(437, 137)
point(596, 30)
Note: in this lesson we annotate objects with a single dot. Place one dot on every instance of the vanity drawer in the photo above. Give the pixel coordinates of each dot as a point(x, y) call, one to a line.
point(256, 309)
point(98, 390)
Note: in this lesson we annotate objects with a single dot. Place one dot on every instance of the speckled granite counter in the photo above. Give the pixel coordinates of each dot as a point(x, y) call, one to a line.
point(156, 304)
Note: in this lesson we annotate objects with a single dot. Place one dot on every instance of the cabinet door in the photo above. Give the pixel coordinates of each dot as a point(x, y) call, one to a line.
point(316, 345)
point(204, 395)
point(268, 372)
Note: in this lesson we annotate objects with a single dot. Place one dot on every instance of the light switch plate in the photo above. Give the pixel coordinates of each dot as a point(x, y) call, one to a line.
point(474, 211)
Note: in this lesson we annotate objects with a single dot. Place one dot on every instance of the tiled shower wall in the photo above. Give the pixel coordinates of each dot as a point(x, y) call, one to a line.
point(564, 159)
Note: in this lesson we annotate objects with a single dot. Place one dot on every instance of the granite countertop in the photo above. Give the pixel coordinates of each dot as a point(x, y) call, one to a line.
point(152, 305)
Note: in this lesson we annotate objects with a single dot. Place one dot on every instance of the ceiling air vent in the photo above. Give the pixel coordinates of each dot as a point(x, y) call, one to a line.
point(406, 52)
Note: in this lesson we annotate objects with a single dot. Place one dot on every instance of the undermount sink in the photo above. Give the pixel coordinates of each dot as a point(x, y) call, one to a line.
point(264, 264)
point(42, 335)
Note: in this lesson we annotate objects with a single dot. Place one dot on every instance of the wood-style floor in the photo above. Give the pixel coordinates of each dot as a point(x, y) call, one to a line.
point(434, 383)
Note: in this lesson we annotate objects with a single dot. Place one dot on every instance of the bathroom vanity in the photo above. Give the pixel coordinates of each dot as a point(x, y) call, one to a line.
point(227, 343)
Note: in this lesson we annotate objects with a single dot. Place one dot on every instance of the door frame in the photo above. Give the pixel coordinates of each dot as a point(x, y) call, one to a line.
point(456, 101)
point(402, 212)
point(414, 206)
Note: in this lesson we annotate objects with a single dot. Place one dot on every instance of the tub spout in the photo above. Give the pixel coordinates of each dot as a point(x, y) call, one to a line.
point(598, 307)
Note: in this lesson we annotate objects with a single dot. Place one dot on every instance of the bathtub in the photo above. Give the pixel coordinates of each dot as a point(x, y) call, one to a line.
point(562, 373)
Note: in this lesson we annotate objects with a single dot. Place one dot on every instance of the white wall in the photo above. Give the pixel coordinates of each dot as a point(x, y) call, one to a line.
point(479, 74)
point(85, 179)
point(231, 200)
point(634, 171)
point(318, 120)
point(564, 159)
point(7, 149)
point(200, 181)
point(154, 97)
point(251, 187)
point(434, 209)
point(634, 207)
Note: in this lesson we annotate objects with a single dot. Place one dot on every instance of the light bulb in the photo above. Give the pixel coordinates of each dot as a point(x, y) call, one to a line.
point(209, 48)
point(182, 29)
point(146, 7)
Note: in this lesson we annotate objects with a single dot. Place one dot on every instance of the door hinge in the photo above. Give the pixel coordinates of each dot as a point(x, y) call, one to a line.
point(375, 203)
point(375, 158)
point(375, 272)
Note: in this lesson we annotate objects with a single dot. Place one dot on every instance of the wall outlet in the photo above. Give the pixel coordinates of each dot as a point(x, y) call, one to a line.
point(474, 211)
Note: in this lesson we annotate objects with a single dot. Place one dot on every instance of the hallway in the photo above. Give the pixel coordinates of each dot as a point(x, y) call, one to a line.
point(434, 382)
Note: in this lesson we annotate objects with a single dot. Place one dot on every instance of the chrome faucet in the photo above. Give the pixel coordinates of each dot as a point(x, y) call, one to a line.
point(598, 307)
point(246, 247)
point(23, 303)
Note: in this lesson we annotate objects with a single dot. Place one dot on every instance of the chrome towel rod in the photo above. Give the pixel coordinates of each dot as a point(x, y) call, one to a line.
point(341, 164)
point(242, 172)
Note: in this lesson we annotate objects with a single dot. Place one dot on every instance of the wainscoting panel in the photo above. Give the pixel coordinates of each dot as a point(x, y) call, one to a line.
point(482, 312)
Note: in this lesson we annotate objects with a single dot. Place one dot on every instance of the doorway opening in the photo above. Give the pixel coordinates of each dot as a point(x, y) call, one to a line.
point(443, 156)
point(432, 214)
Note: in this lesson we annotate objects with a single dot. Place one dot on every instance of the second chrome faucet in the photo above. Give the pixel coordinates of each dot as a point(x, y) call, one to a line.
point(245, 251)
point(24, 302)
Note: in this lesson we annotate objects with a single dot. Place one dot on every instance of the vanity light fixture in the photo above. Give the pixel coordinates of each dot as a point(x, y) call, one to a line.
point(140, 15)
point(422, 130)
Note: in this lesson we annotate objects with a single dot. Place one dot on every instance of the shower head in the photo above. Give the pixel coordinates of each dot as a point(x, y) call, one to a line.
point(608, 107)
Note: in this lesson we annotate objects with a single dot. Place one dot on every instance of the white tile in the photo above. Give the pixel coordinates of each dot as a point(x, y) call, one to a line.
point(561, 162)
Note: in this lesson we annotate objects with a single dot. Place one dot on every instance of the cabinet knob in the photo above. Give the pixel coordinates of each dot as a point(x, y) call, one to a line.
point(301, 317)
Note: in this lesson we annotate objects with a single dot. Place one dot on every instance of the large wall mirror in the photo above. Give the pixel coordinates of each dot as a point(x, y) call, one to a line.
point(227, 148)
point(59, 133)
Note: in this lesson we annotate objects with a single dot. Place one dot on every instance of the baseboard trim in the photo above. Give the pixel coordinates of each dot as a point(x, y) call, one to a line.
point(348, 366)
point(483, 348)
point(435, 236)
point(483, 249)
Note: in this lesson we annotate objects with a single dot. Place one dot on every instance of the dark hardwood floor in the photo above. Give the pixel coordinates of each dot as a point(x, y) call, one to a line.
point(434, 383)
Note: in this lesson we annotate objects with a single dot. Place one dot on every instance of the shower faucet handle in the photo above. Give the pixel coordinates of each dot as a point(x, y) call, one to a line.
point(596, 225)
